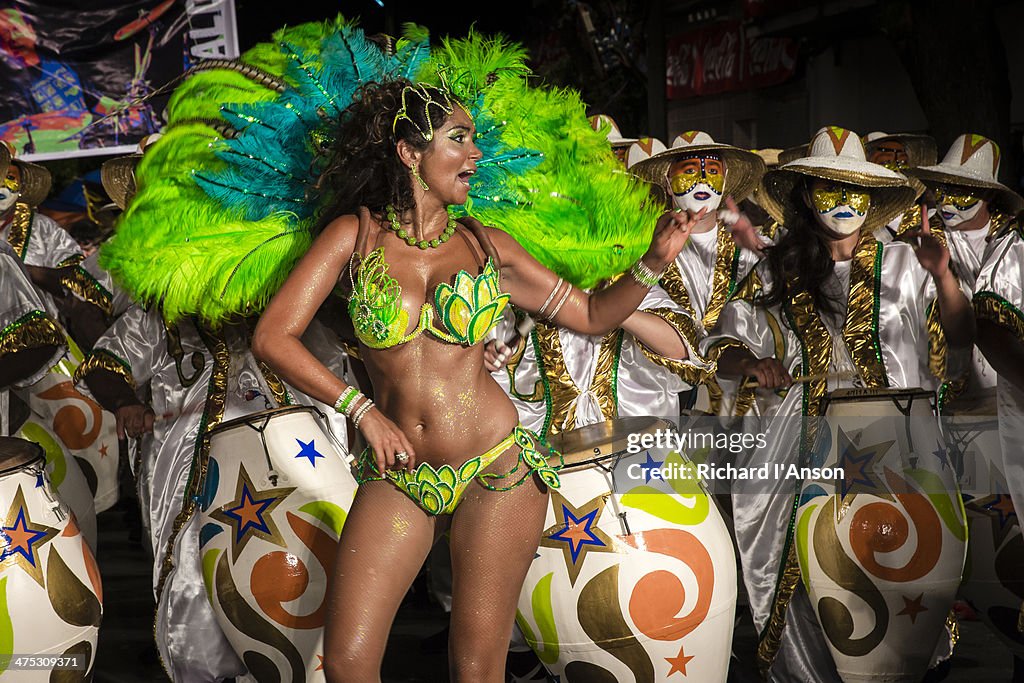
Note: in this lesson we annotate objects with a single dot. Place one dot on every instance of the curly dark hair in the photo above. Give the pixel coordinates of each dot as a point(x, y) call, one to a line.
point(363, 168)
point(800, 261)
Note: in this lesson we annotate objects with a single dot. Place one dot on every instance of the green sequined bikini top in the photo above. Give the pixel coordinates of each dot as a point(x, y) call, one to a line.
point(468, 311)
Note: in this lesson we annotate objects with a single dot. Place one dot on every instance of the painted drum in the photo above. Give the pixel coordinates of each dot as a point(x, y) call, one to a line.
point(994, 576)
point(277, 492)
point(635, 576)
point(80, 440)
point(51, 599)
point(881, 548)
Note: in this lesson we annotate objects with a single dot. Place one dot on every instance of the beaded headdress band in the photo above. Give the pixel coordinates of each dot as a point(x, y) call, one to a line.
point(424, 92)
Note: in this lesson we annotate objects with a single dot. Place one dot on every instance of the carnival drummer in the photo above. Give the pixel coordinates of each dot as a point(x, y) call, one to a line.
point(973, 208)
point(49, 253)
point(810, 310)
point(698, 174)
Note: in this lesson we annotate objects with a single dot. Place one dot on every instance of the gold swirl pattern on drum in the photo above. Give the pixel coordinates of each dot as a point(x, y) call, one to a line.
point(251, 623)
point(580, 670)
point(279, 577)
point(669, 508)
point(91, 568)
point(70, 422)
point(882, 528)
point(601, 618)
point(82, 651)
point(547, 648)
point(659, 595)
point(71, 599)
point(835, 617)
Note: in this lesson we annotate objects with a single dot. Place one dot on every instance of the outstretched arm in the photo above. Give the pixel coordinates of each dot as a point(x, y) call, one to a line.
point(538, 290)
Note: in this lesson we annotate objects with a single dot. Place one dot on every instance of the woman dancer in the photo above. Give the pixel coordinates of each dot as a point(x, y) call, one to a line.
point(445, 438)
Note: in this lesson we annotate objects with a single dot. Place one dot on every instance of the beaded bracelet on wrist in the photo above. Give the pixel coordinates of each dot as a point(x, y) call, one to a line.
point(643, 274)
point(347, 400)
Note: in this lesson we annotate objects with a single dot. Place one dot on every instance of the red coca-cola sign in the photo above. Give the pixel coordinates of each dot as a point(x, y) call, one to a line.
point(721, 58)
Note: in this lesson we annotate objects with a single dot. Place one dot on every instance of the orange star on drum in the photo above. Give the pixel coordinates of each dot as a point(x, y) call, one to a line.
point(678, 662)
point(912, 608)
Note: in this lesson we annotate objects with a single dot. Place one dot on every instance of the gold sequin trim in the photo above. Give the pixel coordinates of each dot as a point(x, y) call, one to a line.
point(994, 308)
point(722, 278)
point(84, 286)
point(693, 371)
point(771, 636)
point(21, 229)
point(274, 383)
point(563, 390)
point(860, 331)
point(101, 359)
point(31, 331)
point(672, 282)
point(212, 416)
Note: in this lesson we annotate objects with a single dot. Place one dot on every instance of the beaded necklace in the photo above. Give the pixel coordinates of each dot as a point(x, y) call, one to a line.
point(411, 240)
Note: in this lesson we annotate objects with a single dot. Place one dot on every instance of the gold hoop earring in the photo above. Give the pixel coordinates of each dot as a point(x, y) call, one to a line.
point(416, 175)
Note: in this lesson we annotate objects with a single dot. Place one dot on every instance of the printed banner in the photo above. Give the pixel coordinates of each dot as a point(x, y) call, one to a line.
point(721, 58)
point(75, 77)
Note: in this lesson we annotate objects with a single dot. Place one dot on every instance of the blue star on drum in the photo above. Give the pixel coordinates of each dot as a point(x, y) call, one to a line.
point(575, 532)
point(650, 465)
point(21, 539)
point(249, 514)
point(858, 466)
point(308, 451)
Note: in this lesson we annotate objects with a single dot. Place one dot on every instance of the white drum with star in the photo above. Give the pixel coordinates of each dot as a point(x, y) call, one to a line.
point(277, 492)
point(635, 578)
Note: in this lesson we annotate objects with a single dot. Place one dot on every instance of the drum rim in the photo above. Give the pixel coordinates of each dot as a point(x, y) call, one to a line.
point(595, 460)
point(40, 455)
point(269, 413)
point(850, 395)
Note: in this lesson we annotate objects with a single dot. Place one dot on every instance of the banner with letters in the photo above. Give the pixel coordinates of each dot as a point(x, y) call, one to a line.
point(722, 58)
point(78, 80)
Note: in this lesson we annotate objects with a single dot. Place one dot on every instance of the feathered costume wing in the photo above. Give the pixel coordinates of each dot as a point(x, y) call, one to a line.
point(227, 198)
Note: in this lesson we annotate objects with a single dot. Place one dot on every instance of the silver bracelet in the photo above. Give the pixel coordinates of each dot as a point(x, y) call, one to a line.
point(363, 409)
point(561, 302)
point(643, 274)
point(551, 296)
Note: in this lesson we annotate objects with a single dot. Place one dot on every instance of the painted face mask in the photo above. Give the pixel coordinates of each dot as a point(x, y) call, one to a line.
point(956, 205)
point(840, 208)
point(697, 183)
point(10, 189)
point(892, 155)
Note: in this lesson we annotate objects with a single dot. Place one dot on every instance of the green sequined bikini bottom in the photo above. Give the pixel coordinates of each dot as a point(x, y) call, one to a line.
point(438, 491)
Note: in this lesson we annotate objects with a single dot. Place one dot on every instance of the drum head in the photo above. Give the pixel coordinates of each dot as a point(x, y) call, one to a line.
point(259, 420)
point(596, 442)
point(16, 453)
point(899, 400)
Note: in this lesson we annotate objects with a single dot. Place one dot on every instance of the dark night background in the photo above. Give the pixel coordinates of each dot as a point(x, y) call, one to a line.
point(952, 51)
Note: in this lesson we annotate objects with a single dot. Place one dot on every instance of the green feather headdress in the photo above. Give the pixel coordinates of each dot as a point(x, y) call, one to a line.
point(227, 198)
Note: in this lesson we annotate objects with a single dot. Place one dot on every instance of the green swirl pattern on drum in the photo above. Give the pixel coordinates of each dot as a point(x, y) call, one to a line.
point(653, 501)
point(951, 509)
point(6, 626)
point(540, 602)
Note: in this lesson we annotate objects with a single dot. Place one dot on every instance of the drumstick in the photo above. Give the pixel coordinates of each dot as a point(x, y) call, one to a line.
point(802, 379)
point(523, 330)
